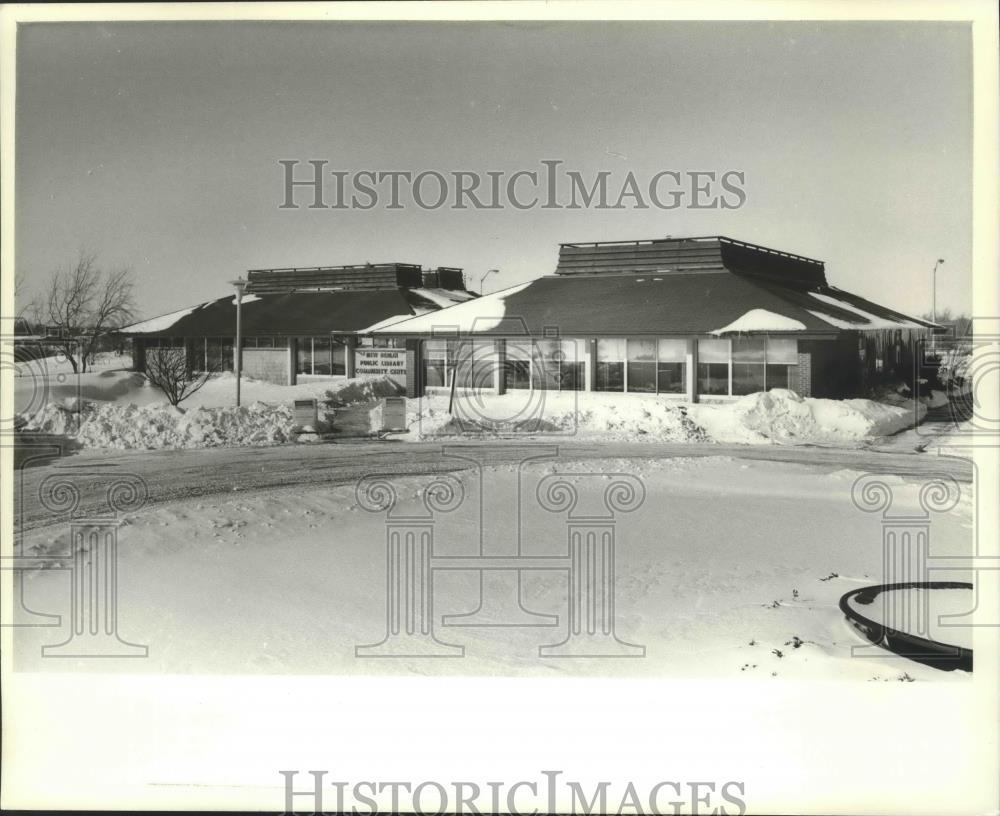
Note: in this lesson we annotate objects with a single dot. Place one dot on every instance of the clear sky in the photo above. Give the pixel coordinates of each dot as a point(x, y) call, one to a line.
point(156, 144)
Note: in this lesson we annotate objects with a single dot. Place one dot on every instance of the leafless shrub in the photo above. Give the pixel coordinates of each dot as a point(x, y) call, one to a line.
point(169, 370)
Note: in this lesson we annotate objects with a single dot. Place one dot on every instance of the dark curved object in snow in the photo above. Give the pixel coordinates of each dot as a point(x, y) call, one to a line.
point(929, 652)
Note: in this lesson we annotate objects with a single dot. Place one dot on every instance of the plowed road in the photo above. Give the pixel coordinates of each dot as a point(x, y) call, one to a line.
point(182, 474)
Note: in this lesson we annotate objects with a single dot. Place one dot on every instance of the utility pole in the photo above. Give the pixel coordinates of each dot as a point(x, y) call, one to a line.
point(240, 286)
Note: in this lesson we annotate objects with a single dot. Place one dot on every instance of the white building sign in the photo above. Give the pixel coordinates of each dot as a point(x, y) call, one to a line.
point(381, 363)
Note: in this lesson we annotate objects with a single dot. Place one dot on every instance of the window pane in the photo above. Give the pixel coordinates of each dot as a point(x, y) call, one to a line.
point(674, 351)
point(303, 356)
point(517, 370)
point(611, 351)
point(338, 356)
point(783, 376)
point(670, 378)
point(461, 353)
point(748, 378)
point(517, 374)
point(435, 349)
point(641, 350)
point(227, 354)
point(434, 373)
point(713, 378)
point(748, 350)
point(572, 377)
point(641, 365)
point(783, 350)
point(321, 356)
point(610, 377)
point(642, 377)
point(713, 351)
point(546, 364)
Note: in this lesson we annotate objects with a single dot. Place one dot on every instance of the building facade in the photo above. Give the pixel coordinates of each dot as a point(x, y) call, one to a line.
point(303, 323)
point(689, 319)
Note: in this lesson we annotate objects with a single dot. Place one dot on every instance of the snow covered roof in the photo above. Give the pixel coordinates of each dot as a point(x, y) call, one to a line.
point(659, 303)
point(300, 313)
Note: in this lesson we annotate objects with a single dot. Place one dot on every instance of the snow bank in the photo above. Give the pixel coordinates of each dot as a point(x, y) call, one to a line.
point(108, 425)
point(783, 416)
point(639, 417)
point(777, 416)
point(359, 390)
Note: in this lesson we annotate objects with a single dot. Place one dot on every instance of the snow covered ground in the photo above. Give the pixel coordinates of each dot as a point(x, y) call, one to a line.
point(778, 417)
point(114, 408)
point(729, 569)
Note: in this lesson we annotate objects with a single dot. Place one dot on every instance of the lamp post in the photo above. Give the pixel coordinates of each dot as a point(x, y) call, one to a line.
point(240, 286)
point(937, 263)
point(484, 277)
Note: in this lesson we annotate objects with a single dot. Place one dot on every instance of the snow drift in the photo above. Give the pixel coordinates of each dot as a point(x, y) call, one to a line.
point(777, 416)
point(112, 426)
point(784, 417)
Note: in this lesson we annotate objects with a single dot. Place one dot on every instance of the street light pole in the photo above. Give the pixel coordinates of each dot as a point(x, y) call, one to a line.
point(484, 277)
point(937, 263)
point(240, 286)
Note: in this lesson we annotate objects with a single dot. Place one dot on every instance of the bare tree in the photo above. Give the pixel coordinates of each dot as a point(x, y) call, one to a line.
point(84, 302)
point(169, 370)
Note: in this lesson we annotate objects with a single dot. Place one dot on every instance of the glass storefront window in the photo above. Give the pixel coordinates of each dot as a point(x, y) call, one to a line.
point(572, 365)
point(713, 367)
point(220, 353)
point(610, 368)
point(517, 370)
point(436, 374)
point(322, 361)
point(320, 356)
point(642, 365)
point(748, 365)
point(670, 374)
point(782, 363)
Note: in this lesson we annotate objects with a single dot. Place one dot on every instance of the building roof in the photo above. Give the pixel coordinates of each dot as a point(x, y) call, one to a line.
point(713, 253)
point(664, 303)
point(300, 312)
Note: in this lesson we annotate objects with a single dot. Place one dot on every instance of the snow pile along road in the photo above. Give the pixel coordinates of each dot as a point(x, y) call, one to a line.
point(613, 417)
point(783, 416)
point(108, 425)
point(777, 416)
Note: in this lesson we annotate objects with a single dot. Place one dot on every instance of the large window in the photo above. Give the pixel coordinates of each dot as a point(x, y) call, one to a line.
point(517, 369)
point(610, 368)
point(320, 356)
point(549, 364)
point(782, 363)
point(756, 363)
point(670, 367)
point(436, 363)
point(470, 362)
point(641, 365)
point(748, 365)
point(219, 352)
point(557, 365)
point(713, 367)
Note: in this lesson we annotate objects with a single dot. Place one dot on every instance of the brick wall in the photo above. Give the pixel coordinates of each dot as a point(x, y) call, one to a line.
point(270, 365)
point(805, 375)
